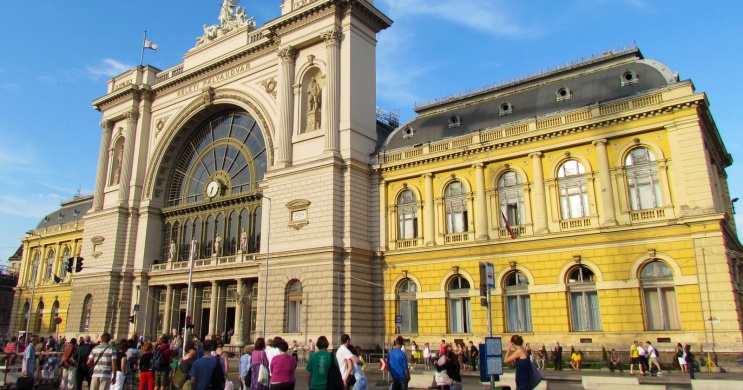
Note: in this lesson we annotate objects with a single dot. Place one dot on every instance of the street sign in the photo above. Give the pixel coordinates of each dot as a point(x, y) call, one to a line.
point(491, 359)
point(382, 364)
point(398, 320)
point(58, 320)
point(490, 275)
point(136, 307)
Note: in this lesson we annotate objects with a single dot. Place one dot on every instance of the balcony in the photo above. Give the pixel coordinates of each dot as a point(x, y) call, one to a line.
point(457, 237)
point(211, 262)
point(575, 224)
point(518, 231)
point(647, 215)
point(408, 243)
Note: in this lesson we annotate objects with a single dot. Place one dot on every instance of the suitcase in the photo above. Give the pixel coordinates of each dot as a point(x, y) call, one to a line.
point(25, 383)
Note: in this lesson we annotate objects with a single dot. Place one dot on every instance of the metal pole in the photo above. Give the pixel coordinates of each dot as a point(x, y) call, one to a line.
point(146, 313)
point(490, 329)
point(34, 273)
point(268, 251)
point(188, 295)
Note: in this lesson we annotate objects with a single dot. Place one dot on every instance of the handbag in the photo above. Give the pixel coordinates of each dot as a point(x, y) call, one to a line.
point(535, 376)
point(179, 378)
point(335, 378)
point(263, 375)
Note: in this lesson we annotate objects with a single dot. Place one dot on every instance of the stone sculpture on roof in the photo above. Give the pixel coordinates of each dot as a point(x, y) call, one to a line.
point(231, 17)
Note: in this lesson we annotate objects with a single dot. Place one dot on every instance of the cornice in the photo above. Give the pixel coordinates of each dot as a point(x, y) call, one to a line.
point(533, 136)
point(131, 92)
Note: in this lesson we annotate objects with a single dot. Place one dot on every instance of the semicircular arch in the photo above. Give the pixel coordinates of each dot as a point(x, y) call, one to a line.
point(645, 258)
point(626, 148)
point(562, 276)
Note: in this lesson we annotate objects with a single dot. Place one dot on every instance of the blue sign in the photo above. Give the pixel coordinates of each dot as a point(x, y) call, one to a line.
point(398, 320)
point(491, 359)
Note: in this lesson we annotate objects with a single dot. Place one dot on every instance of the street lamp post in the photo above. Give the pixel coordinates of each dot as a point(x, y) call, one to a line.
point(34, 273)
point(268, 251)
point(188, 294)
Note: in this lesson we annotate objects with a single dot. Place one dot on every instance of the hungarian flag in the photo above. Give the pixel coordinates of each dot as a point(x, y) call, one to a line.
point(150, 45)
point(508, 227)
point(57, 279)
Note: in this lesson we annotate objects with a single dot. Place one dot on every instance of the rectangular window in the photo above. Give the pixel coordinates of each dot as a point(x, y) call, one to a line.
point(409, 313)
point(519, 313)
point(585, 311)
point(459, 315)
point(661, 311)
point(295, 316)
point(512, 213)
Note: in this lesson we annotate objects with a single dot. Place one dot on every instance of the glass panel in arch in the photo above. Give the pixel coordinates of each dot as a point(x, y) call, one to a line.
point(655, 270)
point(207, 248)
point(221, 128)
point(233, 233)
point(256, 235)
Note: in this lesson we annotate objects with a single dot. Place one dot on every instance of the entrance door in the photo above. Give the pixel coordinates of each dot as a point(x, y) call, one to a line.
point(204, 325)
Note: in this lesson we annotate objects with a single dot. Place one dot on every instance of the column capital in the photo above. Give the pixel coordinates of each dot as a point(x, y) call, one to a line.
point(535, 155)
point(602, 141)
point(287, 54)
point(428, 175)
point(478, 165)
point(107, 124)
point(132, 115)
point(332, 37)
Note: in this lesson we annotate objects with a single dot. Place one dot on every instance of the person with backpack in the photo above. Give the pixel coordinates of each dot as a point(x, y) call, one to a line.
point(102, 364)
point(69, 366)
point(207, 372)
point(653, 358)
point(81, 356)
point(146, 378)
point(161, 359)
point(181, 379)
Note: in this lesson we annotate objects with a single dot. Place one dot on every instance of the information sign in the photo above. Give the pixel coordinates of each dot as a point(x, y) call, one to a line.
point(398, 320)
point(491, 359)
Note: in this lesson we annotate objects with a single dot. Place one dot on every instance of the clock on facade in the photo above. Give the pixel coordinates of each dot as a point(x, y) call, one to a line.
point(212, 188)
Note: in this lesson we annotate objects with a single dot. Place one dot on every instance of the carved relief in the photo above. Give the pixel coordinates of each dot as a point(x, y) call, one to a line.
point(287, 54)
point(207, 96)
point(332, 37)
point(231, 18)
point(270, 86)
point(313, 102)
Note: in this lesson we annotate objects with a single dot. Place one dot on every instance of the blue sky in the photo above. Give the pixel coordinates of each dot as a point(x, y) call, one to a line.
point(55, 58)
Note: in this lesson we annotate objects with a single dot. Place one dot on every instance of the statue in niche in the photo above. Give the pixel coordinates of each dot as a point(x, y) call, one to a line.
point(217, 245)
point(243, 241)
point(117, 171)
point(314, 103)
point(171, 251)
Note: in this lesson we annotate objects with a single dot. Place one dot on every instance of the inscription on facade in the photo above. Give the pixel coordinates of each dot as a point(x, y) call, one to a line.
point(214, 79)
point(122, 84)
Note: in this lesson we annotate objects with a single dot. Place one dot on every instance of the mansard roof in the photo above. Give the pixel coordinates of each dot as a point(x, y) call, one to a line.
point(585, 83)
point(71, 210)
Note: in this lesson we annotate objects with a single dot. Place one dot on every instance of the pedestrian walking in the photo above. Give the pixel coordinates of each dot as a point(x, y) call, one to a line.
point(69, 366)
point(258, 358)
point(245, 360)
point(689, 357)
point(282, 369)
point(146, 377)
point(81, 357)
point(317, 367)
point(518, 354)
point(427, 355)
point(398, 366)
point(652, 354)
point(635, 359)
point(358, 369)
point(102, 364)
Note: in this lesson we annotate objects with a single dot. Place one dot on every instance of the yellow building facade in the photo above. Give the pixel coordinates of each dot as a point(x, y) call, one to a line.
point(598, 191)
point(44, 285)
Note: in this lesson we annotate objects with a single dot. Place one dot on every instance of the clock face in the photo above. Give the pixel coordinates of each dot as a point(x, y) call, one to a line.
point(212, 188)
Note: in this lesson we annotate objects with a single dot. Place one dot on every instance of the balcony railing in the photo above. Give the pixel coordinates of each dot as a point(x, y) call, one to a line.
point(457, 237)
point(577, 223)
point(207, 262)
point(647, 215)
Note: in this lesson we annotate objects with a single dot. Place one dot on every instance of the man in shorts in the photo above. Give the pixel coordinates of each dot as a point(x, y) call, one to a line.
point(634, 356)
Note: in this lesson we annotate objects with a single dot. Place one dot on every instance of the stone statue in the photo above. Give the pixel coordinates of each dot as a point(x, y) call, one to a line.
point(171, 251)
point(314, 93)
point(230, 18)
point(226, 13)
point(217, 245)
point(243, 241)
point(117, 172)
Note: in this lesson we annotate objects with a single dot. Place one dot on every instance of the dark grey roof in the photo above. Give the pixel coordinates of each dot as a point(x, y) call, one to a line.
point(70, 211)
point(589, 83)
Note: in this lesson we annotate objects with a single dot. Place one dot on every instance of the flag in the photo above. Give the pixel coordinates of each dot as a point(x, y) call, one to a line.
point(150, 45)
point(508, 227)
point(57, 279)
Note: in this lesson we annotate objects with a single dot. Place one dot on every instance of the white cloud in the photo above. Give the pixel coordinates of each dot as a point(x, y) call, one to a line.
point(11, 87)
point(108, 67)
point(35, 207)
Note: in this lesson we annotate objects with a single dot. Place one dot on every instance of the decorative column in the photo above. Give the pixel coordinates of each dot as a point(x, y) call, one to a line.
point(429, 220)
point(540, 198)
point(126, 160)
point(168, 309)
point(332, 40)
point(213, 309)
point(100, 177)
point(286, 102)
point(237, 338)
point(383, 221)
point(481, 212)
point(608, 213)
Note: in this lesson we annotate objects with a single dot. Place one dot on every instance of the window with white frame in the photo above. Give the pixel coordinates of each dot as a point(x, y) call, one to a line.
point(659, 296)
point(407, 216)
point(518, 303)
point(643, 184)
point(294, 307)
point(407, 306)
point(584, 300)
point(456, 208)
point(571, 181)
point(49, 265)
point(511, 198)
point(460, 310)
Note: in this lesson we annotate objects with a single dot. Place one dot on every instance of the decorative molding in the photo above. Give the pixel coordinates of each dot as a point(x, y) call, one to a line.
point(287, 54)
point(270, 86)
point(332, 37)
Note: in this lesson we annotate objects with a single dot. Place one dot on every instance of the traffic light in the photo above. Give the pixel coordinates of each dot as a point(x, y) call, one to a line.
point(131, 319)
point(79, 266)
point(70, 261)
point(189, 324)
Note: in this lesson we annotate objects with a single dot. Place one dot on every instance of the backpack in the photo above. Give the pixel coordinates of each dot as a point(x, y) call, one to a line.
point(158, 363)
point(131, 365)
point(218, 375)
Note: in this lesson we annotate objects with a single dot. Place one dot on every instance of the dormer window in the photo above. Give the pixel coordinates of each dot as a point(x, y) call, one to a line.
point(455, 121)
point(505, 108)
point(629, 77)
point(408, 132)
point(563, 93)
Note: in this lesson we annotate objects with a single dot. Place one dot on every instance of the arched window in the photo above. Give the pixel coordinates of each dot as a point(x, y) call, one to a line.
point(233, 234)
point(208, 247)
point(65, 256)
point(659, 296)
point(407, 216)
point(26, 315)
point(49, 265)
point(571, 181)
point(186, 236)
point(407, 306)
point(511, 199)
point(584, 300)
point(518, 303)
point(460, 318)
point(39, 317)
point(87, 310)
point(53, 316)
point(642, 179)
point(294, 307)
point(256, 230)
point(35, 268)
point(456, 208)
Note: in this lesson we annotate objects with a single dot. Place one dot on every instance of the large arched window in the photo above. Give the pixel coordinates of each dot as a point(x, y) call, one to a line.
point(571, 181)
point(584, 300)
point(659, 296)
point(407, 216)
point(407, 306)
point(294, 307)
point(511, 199)
point(87, 311)
point(26, 315)
point(53, 317)
point(518, 303)
point(642, 179)
point(39, 317)
point(49, 265)
point(456, 208)
point(460, 310)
